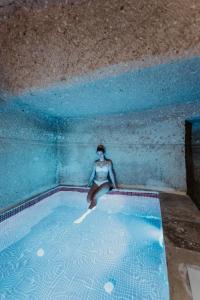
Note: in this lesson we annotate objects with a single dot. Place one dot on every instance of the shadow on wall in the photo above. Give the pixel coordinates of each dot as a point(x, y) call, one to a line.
point(192, 155)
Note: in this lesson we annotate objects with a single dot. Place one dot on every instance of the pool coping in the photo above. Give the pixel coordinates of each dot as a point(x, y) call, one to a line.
point(13, 210)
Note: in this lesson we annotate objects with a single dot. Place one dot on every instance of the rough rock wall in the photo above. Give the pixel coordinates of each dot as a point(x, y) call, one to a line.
point(28, 160)
point(46, 41)
point(42, 42)
point(147, 148)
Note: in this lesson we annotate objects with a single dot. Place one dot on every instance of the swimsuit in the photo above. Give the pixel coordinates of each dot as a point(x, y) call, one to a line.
point(102, 169)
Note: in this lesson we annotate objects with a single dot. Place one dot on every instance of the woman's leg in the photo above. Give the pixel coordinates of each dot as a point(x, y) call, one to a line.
point(91, 192)
point(98, 192)
point(94, 193)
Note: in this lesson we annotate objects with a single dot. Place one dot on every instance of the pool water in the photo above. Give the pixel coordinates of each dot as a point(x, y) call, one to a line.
point(117, 252)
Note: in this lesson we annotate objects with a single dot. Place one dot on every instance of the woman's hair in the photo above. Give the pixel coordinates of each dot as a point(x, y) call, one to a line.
point(101, 148)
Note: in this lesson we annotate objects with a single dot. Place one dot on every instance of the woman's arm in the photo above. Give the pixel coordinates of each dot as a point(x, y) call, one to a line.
point(112, 177)
point(92, 175)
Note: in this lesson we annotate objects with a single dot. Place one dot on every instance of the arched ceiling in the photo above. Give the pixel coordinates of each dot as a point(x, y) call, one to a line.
point(116, 91)
point(45, 47)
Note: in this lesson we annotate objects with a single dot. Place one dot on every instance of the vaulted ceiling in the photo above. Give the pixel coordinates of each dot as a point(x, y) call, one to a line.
point(117, 91)
point(82, 58)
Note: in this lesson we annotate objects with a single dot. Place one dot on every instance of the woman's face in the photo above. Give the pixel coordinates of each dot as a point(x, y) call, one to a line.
point(100, 154)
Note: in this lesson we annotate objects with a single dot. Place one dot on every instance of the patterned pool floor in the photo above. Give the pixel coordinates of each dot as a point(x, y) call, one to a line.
point(117, 252)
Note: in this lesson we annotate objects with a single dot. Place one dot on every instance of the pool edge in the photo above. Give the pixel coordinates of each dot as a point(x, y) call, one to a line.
point(14, 209)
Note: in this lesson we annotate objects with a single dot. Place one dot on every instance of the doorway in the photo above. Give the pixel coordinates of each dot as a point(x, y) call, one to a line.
point(192, 158)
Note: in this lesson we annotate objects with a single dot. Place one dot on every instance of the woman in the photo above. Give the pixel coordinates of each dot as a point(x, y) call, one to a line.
point(99, 178)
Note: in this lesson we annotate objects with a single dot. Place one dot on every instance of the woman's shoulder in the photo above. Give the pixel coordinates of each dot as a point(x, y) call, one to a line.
point(109, 161)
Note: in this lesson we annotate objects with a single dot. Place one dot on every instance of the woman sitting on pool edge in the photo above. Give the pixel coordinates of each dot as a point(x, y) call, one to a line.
point(99, 178)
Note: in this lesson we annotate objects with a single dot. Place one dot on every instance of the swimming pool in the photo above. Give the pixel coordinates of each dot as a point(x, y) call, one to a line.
point(117, 252)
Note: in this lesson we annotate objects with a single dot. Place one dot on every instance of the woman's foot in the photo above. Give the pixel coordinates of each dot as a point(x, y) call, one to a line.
point(80, 220)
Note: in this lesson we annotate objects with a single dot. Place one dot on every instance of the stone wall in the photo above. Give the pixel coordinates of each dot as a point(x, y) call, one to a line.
point(43, 41)
point(147, 148)
point(46, 43)
point(28, 160)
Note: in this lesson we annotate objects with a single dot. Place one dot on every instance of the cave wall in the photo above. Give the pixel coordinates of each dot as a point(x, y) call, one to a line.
point(147, 148)
point(28, 155)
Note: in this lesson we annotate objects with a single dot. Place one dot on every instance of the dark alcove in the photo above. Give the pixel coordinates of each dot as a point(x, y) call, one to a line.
point(192, 156)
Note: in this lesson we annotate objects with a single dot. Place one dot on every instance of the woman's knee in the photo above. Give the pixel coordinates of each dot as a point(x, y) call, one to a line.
point(105, 187)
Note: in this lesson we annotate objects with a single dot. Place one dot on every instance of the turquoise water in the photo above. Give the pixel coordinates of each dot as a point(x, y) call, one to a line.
point(117, 252)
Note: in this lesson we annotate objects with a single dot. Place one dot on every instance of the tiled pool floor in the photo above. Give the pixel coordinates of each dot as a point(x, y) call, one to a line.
point(116, 253)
